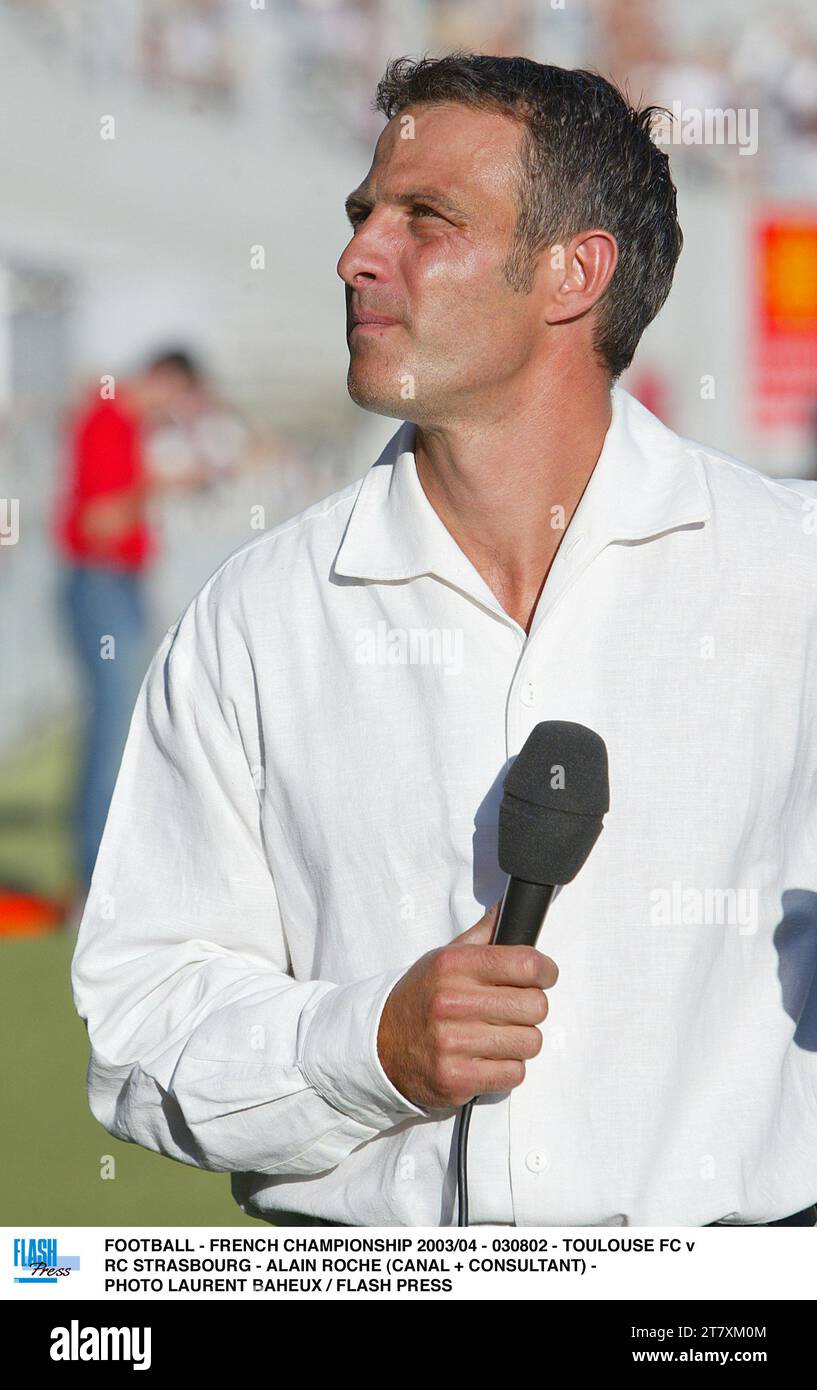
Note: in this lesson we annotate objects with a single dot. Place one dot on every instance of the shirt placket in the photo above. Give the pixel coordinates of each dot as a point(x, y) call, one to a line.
point(524, 709)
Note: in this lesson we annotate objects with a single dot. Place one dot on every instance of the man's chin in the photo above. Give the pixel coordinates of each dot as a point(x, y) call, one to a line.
point(373, 396)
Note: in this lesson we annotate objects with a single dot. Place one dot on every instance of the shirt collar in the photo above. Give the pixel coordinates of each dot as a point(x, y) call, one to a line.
point(647, 481)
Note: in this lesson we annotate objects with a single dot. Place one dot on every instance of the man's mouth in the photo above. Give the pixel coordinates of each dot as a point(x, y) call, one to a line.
point(364, 320)
point(371, 327)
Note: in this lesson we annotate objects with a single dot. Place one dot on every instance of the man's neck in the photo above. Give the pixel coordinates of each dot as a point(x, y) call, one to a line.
point(507, 490)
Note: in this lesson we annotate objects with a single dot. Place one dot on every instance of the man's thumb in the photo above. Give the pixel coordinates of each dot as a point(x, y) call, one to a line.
point(482, 931)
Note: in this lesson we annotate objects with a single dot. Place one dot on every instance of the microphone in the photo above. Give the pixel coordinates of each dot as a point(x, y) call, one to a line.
point(555, 796)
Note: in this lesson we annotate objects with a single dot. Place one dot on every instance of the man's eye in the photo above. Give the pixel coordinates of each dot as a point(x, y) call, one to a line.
point(417, 210)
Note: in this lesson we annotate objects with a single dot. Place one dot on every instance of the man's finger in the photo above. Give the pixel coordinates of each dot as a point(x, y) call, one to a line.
point(507, 965)
point(481, 934)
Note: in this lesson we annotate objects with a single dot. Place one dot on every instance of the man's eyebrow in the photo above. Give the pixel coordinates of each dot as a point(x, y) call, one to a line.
point(359, 199)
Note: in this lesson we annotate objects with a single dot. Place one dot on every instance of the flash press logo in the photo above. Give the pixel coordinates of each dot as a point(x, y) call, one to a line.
point(36, 1261)
point(75, 1343)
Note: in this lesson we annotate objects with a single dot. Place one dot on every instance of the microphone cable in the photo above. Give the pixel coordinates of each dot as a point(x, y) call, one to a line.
point(546, 832)
point(462, 1162)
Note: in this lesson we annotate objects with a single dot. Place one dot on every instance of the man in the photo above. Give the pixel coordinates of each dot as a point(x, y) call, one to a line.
point(105, 544)
point(285, 963)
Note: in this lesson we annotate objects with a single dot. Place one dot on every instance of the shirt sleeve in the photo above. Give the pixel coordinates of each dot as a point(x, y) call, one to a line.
point(203, 1045)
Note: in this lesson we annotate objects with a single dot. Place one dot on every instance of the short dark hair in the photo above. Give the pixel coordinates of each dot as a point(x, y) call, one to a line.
point(587, 159)
point(176, 360)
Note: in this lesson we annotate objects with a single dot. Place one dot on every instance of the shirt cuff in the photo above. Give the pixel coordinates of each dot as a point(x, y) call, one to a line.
point(338, 1054)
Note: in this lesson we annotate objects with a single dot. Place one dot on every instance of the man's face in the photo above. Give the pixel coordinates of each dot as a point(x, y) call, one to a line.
point(433, 262)
point(165, 392)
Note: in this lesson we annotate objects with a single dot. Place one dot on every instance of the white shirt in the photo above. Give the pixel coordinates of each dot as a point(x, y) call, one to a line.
point(308, 801)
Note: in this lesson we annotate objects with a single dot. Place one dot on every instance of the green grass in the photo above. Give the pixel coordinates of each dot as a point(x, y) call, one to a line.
point(53, 1148)
point(36, 789)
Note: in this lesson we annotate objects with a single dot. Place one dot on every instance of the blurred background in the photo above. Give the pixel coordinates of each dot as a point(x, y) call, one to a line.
point(173, 175)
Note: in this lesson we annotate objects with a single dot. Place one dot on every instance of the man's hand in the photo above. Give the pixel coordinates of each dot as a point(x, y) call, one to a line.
point(190, 479)
point(462, 1021)
point(103, 520)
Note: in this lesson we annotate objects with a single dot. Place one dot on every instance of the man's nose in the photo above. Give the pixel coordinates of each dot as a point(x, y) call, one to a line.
point(368, 255)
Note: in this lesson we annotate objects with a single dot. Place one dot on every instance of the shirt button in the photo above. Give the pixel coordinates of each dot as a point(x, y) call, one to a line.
point(536, 1161)
point(528, 693)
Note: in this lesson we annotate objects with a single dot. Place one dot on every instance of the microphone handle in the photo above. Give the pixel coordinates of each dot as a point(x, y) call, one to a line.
point(522, 912)
point(519, 921)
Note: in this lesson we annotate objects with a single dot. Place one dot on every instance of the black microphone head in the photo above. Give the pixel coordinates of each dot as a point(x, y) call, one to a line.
point(555, 795)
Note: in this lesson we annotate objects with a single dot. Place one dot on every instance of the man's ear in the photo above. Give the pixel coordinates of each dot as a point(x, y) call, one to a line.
point(582, 271)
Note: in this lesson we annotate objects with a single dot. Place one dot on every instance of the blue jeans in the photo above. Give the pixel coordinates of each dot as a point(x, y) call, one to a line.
point(106, 614)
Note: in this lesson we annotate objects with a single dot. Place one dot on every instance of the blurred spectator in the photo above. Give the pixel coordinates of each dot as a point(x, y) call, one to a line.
point(336, 51)
point(203, 430)
point(101, 39)
point(174, 44)
point(105, 543)
point(482, 26)
point(187, 44)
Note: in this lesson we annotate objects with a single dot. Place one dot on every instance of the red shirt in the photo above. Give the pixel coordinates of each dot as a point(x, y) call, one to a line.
point(104, 456)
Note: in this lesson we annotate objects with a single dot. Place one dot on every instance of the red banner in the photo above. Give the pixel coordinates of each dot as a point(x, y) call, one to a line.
point(785, 337)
